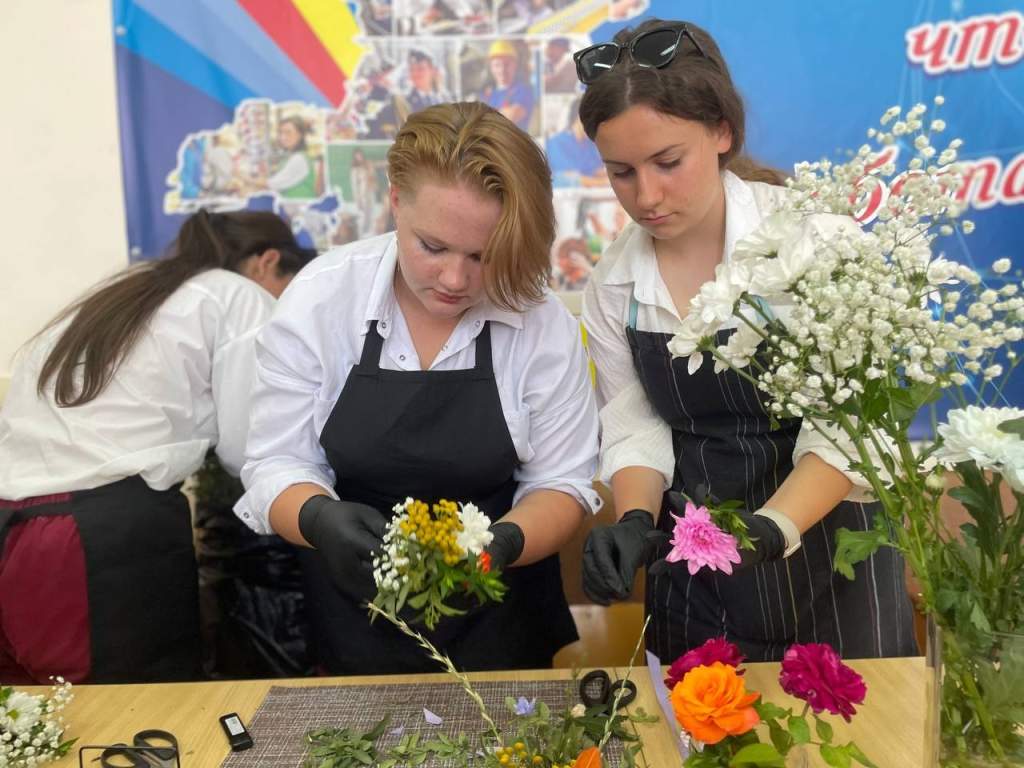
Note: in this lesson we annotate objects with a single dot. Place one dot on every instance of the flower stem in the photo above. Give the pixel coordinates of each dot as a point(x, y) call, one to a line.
point(445, 662)
point(622, 688)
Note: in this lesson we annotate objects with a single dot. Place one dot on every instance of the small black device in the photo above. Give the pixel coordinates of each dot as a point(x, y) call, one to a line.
point(238, 736)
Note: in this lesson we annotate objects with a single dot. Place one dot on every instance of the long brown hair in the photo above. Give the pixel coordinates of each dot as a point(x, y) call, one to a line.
point(473, 143)
point(692, 87)
point(108, 320)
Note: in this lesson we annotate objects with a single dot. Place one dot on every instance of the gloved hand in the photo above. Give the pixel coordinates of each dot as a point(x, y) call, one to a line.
point(507, 544)
point(612, 555)
point(768, 539)
point(504, 549)
point(345, 534)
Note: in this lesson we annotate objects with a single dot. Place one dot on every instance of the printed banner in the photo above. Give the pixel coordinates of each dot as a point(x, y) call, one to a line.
point(290, 105)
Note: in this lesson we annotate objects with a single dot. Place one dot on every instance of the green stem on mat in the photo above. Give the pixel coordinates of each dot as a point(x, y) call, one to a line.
point(445, 662)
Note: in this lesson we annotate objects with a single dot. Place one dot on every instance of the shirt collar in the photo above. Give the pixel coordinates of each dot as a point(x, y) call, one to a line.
point(382, 305)
point(640, 266)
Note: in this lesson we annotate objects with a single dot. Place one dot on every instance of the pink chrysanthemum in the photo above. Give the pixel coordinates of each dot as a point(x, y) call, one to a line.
point(815, 673)
point(715, 649)
point(698, 541)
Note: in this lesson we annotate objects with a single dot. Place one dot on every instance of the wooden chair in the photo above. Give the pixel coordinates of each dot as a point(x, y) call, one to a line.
point(608, 635)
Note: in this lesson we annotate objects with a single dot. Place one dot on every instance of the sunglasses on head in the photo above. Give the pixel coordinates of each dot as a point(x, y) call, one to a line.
point(655, 48)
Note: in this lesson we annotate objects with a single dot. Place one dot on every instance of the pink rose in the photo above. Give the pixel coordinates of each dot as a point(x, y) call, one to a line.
point(715, 649)
point(815, 673)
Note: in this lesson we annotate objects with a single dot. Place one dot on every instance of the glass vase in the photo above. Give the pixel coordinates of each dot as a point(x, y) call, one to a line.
point(975, 716)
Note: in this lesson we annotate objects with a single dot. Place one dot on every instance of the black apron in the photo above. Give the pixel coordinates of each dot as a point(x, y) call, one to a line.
point(141, 580)
point(430, 435)
point(723, 439)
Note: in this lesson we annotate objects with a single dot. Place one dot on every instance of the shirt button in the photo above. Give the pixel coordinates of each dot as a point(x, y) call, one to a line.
point(401, 357)
point(245, 514)
point(478, 323)
point(383, 323)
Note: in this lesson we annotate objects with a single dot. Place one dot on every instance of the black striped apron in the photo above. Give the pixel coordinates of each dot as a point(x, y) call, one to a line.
point(723, 440)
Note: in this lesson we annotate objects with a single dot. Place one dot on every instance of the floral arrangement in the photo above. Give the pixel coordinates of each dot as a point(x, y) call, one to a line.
point(856, 329)
point(31, 726)
point(538, 737)
point(433, 561)
point(719, 717)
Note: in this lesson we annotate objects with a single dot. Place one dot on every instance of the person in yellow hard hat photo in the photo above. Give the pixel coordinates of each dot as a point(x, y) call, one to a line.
point(509, 91)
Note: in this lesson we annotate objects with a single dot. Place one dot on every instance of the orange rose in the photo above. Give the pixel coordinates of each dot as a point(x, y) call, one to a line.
point(589, 758)
point(712, 703)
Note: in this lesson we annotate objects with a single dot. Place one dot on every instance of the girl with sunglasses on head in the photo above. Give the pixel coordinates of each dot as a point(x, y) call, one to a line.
point(669, 124)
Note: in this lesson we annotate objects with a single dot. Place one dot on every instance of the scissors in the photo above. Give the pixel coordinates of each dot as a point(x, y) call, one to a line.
point(598, 690)
point(152, 748)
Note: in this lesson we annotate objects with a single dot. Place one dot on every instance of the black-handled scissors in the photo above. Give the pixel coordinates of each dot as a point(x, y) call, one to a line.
point(149, 749)
point(598, 690)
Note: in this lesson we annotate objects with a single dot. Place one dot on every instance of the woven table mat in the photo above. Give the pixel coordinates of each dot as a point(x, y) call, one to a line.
point(279, 726)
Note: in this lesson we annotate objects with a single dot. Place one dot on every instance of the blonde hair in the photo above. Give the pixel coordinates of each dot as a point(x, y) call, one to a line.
point(472, 143)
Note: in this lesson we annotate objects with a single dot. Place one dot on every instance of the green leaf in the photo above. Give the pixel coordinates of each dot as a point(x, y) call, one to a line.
point(860, 757)
point(853, 547)
point(978, 618)
point(780, 737)
point(824, 729)
point(1013, 426)
point(759, 755)
point(769, 711)
point(838, 757)
point(799, 729)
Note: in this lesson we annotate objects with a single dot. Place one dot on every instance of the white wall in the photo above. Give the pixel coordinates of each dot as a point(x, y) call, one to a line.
point(60, 194)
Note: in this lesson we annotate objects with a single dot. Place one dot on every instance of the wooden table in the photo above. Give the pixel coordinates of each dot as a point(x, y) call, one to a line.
point(888, 727)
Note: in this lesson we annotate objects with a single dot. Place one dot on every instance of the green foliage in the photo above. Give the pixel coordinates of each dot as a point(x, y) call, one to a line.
point(853, 547)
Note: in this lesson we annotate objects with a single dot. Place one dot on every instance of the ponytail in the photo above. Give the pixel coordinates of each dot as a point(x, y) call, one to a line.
point(108, 320)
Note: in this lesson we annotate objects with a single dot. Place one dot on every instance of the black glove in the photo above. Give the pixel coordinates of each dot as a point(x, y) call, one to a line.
point(504, 549)
point(613, 554)
point(345, 534)
point(506, 546)
point(768, 539)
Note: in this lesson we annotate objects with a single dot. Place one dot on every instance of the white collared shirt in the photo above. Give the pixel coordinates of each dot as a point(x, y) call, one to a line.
point(305, 353)
point(182, 388)
point(632, 432)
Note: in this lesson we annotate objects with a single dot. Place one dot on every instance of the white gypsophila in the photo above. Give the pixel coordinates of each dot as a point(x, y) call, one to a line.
point(866, 307)
point(474, 536)
point(973, 434)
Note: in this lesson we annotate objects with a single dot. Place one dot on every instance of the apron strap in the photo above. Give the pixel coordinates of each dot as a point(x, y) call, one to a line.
point(484, 363)
point(634, 310)
point(372, 345)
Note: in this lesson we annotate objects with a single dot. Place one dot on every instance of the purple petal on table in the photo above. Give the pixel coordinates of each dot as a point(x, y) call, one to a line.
point(526, 706)
point(431, 718)
point(658, 681)
point(397, 731)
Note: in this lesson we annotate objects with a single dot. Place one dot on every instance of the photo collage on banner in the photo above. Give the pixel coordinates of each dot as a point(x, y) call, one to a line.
point(325, 167)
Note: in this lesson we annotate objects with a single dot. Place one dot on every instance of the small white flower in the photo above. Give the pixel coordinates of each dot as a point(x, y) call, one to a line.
point(578, 711)
point(474, 536)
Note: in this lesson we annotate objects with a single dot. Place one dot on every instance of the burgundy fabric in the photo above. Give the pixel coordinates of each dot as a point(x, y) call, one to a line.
point(44, 607)
point(35, 501)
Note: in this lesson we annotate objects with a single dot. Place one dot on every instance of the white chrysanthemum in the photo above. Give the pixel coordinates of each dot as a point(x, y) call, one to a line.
point(1013, 469)
point(23, 712)
point(474, 535)
point(769, 236)
point(973, 434)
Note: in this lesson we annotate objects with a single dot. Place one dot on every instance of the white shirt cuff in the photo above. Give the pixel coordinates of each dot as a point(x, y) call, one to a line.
point(253, 508)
